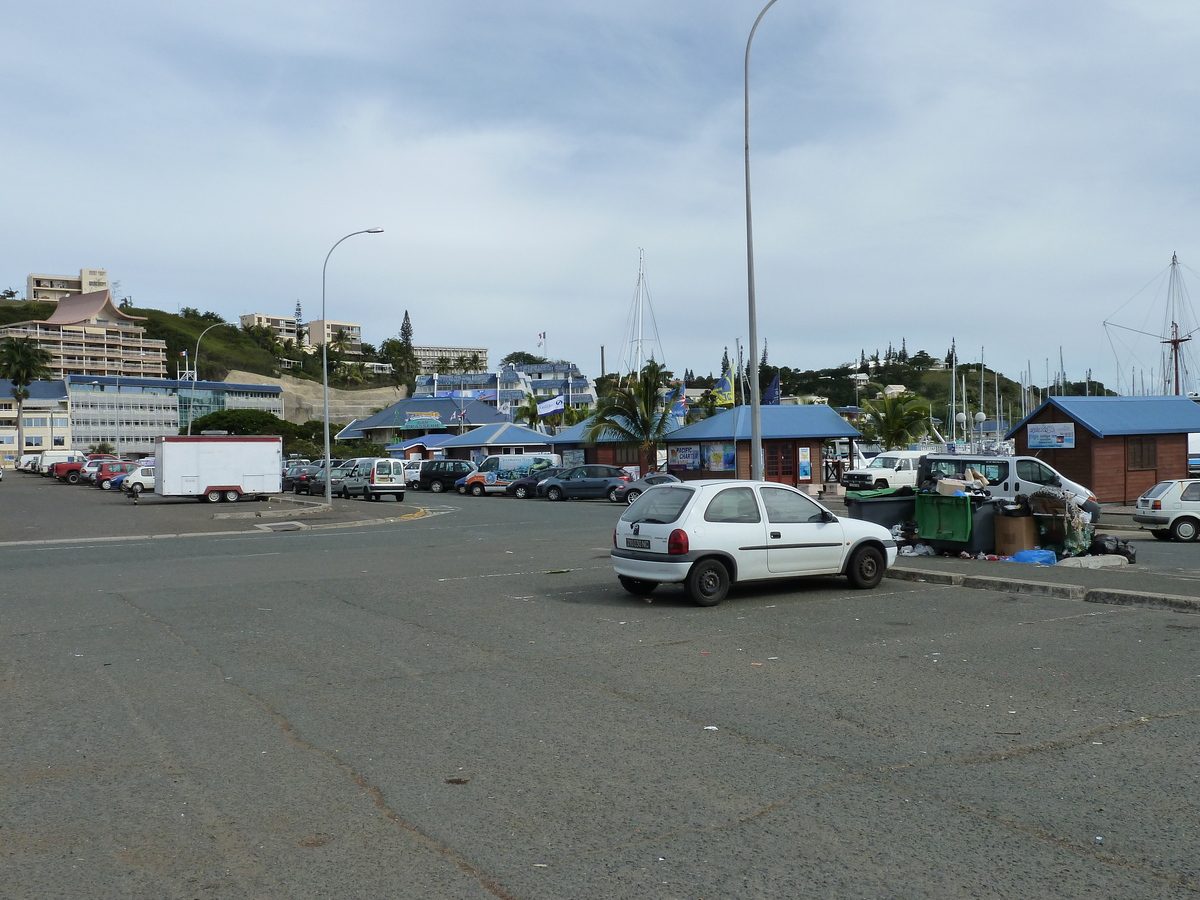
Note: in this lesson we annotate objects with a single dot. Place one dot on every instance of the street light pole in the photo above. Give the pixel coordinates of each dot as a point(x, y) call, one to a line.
point(756, 463)
point(325, 359)
point(195, 373)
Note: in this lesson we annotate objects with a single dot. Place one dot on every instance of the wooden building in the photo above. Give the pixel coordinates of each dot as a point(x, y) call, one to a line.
point(1117, 446)
point(792, 440)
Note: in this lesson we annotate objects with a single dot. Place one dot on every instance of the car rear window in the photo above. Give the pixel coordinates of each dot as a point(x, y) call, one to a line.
point(1158, 490)
point(662, 505)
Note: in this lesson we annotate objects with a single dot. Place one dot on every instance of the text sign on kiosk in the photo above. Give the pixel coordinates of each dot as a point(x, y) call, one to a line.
point(1051, 435)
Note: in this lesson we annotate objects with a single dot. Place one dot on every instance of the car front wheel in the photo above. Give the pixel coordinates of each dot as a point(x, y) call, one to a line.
point(554, 493)
point(637, 586)
point(106, 485)
point(477, 490)
point(1185, 529)
point(708, 582)
point(521, 492)
point(866, 567)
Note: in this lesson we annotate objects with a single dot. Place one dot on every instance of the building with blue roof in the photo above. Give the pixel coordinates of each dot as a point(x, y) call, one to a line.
point(419, 416)
point(1117, 446)
point(793, 438)
point(607, 449)
point(503, 437)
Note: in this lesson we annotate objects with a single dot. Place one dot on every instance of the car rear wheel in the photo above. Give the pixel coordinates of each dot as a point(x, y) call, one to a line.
point(866, 567)
point(73, 478)
point(708, 582)
point(637, 586)
point(1185, 529)
point(136, 488)
point(437, 487)
point(554, 493)
point(630, 496)
point(612, 495)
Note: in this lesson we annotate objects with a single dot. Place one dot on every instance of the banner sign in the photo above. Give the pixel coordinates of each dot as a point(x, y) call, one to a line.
point(573, 458)
point(683, 456)
point(1051, 436)
point(804, 469)
point(719, 457)
point(552, 406)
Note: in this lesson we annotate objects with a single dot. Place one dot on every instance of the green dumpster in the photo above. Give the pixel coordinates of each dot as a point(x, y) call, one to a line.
point(944, 518)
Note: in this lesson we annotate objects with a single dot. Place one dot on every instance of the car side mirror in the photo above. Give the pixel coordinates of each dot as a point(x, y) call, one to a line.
point(827, 516)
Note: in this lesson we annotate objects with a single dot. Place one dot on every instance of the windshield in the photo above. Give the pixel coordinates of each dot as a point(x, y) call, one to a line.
point(659, 505)
point(1158, 490)
point(883, 462)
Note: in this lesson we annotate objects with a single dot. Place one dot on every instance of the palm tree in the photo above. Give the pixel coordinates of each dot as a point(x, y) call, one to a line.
point(635, 411)
point(22, 362)
point(898, 420)
point(527, 411)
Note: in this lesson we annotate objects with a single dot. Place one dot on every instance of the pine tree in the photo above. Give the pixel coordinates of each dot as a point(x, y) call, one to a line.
point(725, 361)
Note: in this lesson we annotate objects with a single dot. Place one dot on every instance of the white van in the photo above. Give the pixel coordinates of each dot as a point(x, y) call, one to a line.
point(1008, 476)
point(890, 469)
point(496, 472)
point(50, 457)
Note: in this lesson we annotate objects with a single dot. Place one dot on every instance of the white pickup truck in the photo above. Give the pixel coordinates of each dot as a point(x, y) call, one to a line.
point(890, 469)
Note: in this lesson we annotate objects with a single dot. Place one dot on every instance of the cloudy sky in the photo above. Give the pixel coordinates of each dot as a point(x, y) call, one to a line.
point(1009, 174)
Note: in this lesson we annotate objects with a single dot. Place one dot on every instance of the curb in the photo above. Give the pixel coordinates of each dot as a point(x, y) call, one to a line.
point(1113, 596)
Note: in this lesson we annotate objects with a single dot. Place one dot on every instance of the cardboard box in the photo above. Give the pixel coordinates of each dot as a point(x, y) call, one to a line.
point(1015, 533)
point(950, 486)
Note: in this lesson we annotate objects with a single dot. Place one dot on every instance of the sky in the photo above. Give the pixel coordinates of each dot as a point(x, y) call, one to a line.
point(1006, 175)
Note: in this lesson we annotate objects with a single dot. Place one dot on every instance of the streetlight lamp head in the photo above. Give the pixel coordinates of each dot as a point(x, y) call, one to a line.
point(375, 230)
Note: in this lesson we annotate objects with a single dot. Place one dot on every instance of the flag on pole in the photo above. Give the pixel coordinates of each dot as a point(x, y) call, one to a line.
point(552, 406)
point(678, 402)
point(723, 392)
point(771, 397)
point(541, 338)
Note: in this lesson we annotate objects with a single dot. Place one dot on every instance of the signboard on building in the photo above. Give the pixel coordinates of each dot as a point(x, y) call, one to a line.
point(804, 464)
point(719, 457)
point(573, 458)
point(1051, 435)
point(684, 456)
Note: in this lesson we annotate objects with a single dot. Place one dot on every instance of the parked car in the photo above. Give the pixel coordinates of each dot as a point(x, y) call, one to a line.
point(412, 468)
point(108, 470)
point(711, 534)
point(140, 479)
point(439, 475)
point(87, 472)
point(894, 468)
point(582, 482)
point(1171, 510)
point(630, 491)
point(375, 478)
point(72, 472)
point(524, 488)
point(296, 478)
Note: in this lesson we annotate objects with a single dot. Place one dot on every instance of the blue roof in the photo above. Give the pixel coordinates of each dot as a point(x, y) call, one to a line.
point(778, 423)
point(574, 434)
point(444, 409)
point(179, 384)
point(502, 434)
point(429, 441)
point(1112, 416)
point(350, 433)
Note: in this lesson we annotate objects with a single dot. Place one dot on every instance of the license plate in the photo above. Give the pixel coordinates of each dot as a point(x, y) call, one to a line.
point(637, 543)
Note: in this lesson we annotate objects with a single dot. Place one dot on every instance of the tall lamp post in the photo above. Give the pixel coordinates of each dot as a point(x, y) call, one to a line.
point(756, 462)
point(195, 373)
point(325, 359)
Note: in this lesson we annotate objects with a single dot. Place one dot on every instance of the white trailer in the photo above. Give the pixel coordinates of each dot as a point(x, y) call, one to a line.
point(212, 468)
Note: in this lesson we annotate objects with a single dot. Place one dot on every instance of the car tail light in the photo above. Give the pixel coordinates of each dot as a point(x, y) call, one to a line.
point(624, 476)
point(1157, 504)
point(677, 543)
point(614, 537)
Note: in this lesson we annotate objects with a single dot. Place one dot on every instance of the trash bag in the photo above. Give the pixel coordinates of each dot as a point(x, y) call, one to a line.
point(1127, 550)
point(1104, 543)
point(1037, 557)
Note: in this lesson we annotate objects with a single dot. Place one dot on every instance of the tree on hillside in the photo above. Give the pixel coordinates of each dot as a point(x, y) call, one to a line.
point(520, 358)
point(22, 362)
point(636, 412)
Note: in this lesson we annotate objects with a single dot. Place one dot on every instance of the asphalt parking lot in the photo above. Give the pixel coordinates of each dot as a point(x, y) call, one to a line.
point(464, 704)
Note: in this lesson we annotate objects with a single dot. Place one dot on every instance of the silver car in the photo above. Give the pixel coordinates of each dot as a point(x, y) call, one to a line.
point(711, 534)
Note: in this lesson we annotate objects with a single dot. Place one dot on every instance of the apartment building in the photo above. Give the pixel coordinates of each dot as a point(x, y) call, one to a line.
point(87, 335)
point(428, 357)
point(53, 288)
point(285, 327)
point(46, 422)
point(325, 331)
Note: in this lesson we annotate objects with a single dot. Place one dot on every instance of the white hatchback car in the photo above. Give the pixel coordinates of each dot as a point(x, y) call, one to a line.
point(1171, 510)
point(711, 534)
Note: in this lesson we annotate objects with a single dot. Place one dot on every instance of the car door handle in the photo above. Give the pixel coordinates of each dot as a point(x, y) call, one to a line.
point(776, 534)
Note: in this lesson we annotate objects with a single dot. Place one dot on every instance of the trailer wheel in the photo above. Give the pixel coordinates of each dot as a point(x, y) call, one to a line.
point(231, 496)
point(212, 496)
